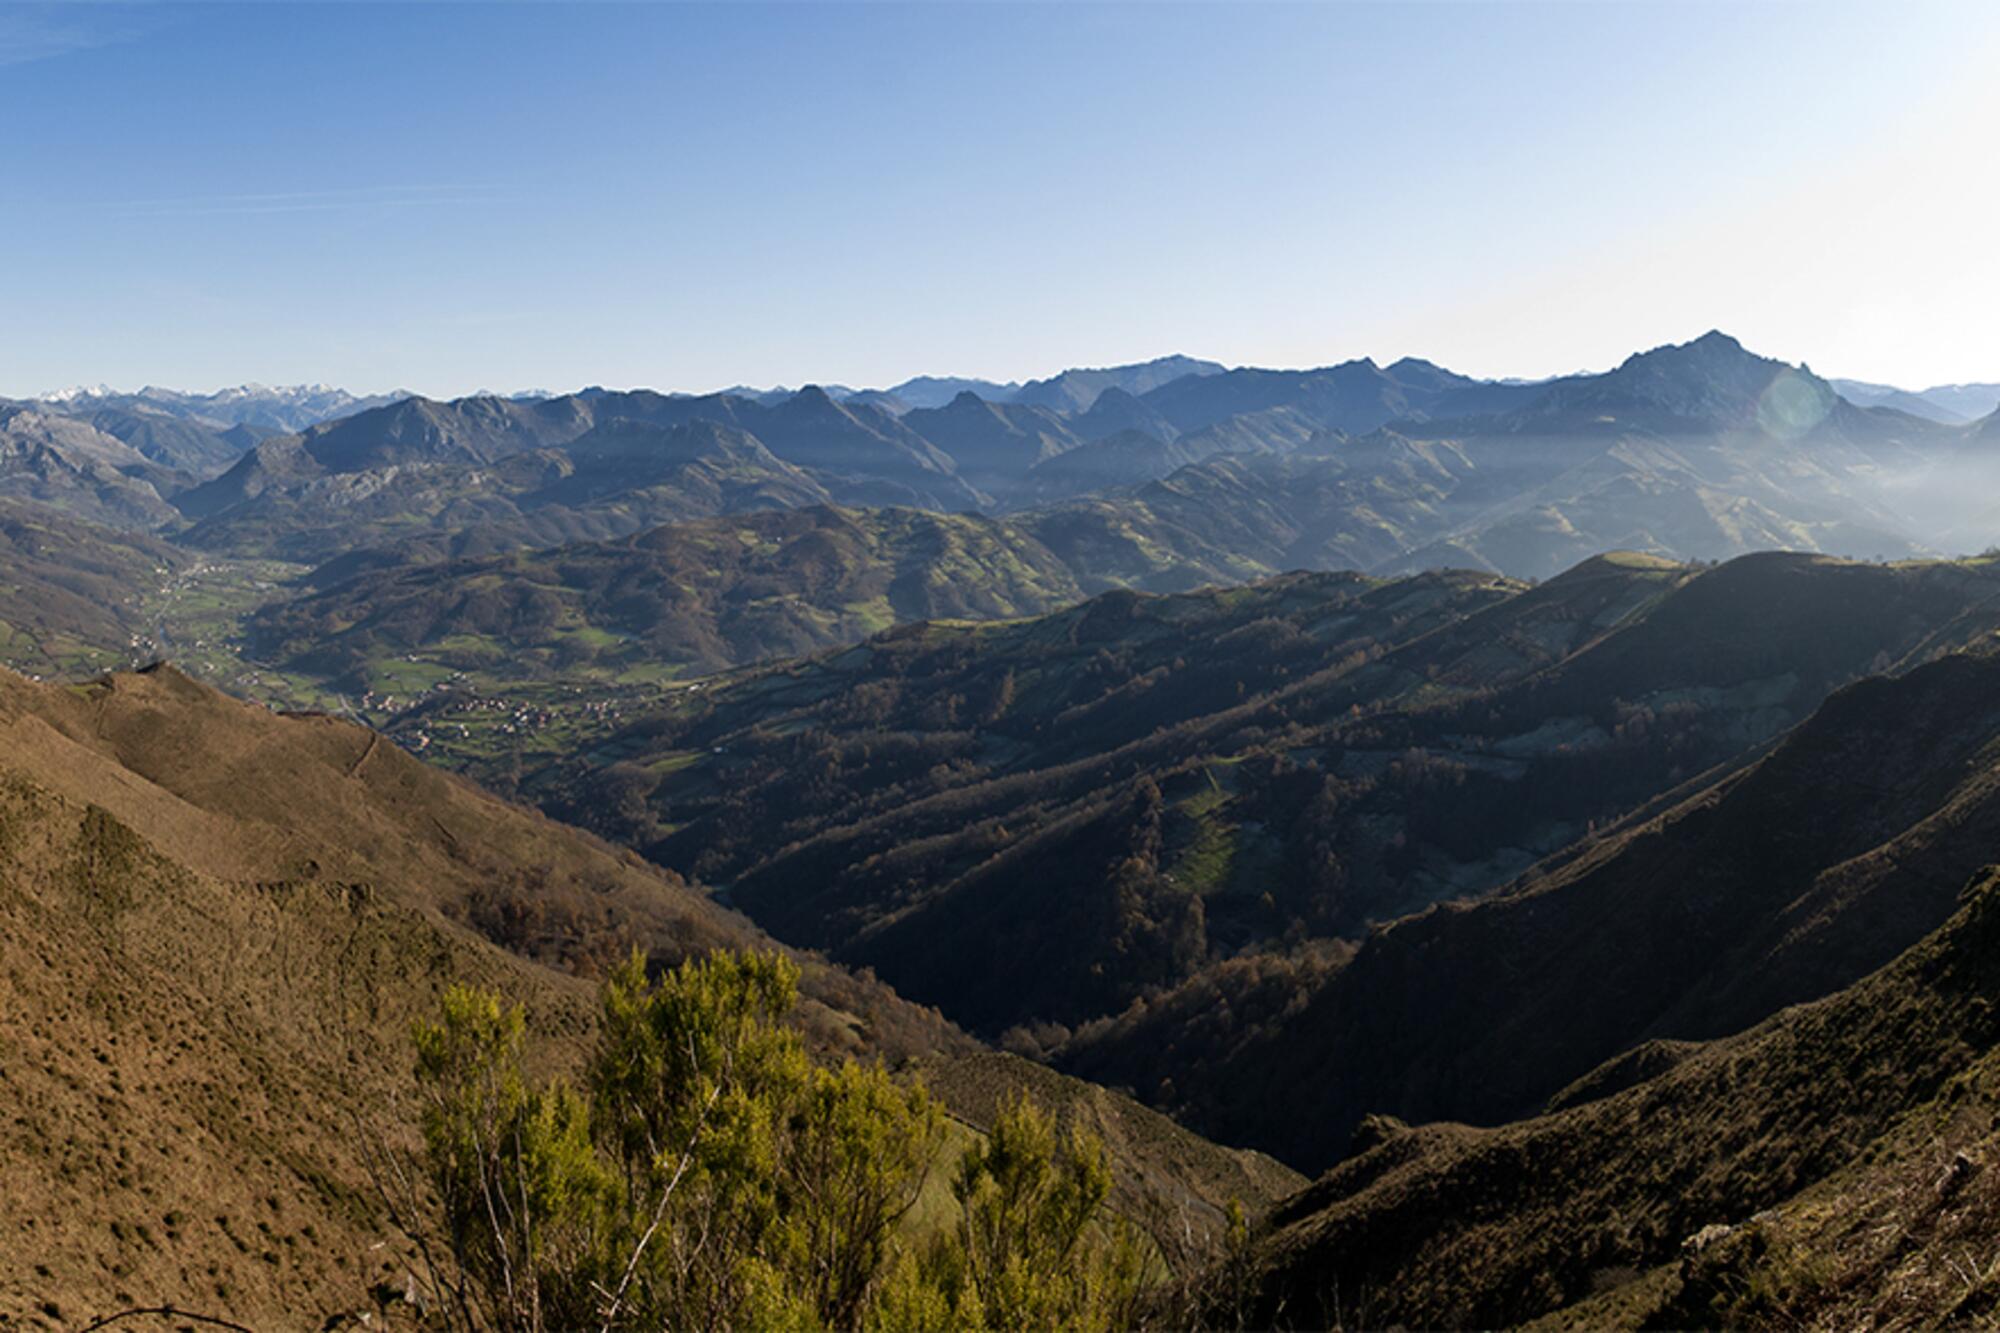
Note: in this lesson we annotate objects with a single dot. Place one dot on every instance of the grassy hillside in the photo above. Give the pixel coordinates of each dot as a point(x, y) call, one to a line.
point(1141, 789)
point(1822, 1169)
point(689, 600)
point(75, 597)
point(195, 1066)
point(218, 923)
point(1775, 885)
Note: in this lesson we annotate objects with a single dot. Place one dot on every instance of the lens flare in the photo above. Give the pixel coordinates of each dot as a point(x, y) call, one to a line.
point(1793, 404)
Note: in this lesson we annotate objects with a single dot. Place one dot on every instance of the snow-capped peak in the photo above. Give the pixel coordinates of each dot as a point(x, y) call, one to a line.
point(76, 392)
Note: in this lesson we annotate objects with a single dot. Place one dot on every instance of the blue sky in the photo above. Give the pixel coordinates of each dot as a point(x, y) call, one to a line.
point(450, 197)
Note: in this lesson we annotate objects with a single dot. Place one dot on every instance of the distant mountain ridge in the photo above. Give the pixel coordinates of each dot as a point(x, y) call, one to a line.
point(419, 466)
point(1948, 404)
point(274, 409)
point(202, 435)
point(1066, 391)
point(1696, 450)
point(1354, 396)
point(993, 443)
point(73, 467)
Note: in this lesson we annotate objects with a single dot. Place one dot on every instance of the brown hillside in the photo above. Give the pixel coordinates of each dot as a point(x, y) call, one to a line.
point(216, 927)
point(218, 924)
point(1840, 1114)
point(1779, 884)
point(1161, 1172)
point(192, 1065)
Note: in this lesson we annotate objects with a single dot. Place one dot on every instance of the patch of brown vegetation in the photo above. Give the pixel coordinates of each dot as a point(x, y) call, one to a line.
point(217, 925)
point(216, 928)
point(1451, 1226)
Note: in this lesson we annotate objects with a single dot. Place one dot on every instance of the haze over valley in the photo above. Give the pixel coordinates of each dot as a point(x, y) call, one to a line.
point(1326, 667)
point(1184, 681)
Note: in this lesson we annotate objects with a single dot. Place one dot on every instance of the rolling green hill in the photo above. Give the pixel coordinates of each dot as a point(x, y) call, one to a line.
point(1139, 789)
point(710, 594)
point(689, 599)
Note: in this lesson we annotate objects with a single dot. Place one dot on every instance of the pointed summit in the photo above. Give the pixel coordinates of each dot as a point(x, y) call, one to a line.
point(811, 396)
point(1712, 384)
point(996, 443)
point(1712, 348)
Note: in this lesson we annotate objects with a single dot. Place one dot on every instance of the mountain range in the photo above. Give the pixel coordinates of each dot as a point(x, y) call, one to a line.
point(1070, 391)
point(1698, 451)
point(1593, 938)
point(1510, 838)
point(1558, 926)
point(1950, 404)
point(1701, 449)
point(262, 409)
point(1314, 753)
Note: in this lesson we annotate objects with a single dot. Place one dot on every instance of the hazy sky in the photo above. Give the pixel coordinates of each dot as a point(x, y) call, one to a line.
point(461, 196)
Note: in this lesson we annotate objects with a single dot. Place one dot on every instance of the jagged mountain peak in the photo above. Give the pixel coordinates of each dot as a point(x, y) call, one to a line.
point(1715, 359)
point(75, 392)
point(1712, 384)
point(1717, 340)
point(1415, 365)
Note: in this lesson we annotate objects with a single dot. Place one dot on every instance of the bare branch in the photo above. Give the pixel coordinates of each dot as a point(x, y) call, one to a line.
point(660, 1210)
point(163, 1310)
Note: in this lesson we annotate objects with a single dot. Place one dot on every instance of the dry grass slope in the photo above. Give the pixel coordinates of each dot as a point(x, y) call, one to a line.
point(216, 927)
point(1826, 1113)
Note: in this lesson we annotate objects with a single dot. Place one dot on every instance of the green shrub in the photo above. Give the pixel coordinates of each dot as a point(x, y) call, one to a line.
point(709, 1174)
